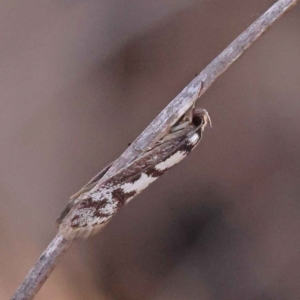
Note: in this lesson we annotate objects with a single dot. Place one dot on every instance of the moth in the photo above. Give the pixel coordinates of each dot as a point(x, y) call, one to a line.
point(93, 206)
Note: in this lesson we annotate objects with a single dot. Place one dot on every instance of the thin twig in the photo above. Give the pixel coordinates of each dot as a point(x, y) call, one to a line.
point(42, 269)
point(186, 98)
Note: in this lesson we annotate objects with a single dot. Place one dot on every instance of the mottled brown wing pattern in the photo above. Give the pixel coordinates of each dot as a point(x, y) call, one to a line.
point(96, 207)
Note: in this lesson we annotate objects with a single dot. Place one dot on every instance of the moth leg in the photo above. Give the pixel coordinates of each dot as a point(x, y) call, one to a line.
point(182, 123)
point(185, 120)
point(188, 116)
point(179, 127)
point(200, 88)
point(176, 130)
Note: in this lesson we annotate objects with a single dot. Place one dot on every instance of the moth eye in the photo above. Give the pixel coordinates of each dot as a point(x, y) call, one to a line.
point(197, 120)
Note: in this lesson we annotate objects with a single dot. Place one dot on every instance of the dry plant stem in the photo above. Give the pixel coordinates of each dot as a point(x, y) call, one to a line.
point(186, 98)
point(42, 269)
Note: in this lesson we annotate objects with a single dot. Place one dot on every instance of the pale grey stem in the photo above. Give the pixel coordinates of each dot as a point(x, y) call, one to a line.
point(42, 269)
point(160, 125)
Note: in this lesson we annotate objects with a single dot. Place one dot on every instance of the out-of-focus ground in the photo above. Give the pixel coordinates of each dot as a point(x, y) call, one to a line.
point(79, 80)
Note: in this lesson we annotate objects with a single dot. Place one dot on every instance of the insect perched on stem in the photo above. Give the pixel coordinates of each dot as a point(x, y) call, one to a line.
point(93, 206)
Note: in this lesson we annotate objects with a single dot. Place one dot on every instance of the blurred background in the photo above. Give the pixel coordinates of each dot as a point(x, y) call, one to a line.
point(79, 80)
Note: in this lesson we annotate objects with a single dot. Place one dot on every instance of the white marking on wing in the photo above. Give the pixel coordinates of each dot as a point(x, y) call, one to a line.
point(171, 161)
point(138, 185)
point(194, 139)
point(109, 208)
point(97, 196)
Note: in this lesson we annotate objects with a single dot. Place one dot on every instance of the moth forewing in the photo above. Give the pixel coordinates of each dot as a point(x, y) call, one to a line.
point(76, 197)
point(96, 207)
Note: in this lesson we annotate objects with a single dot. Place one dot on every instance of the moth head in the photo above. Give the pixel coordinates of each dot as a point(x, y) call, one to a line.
point(201, 118)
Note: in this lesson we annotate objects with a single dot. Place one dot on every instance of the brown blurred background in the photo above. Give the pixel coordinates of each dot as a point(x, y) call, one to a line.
point(80, 80)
